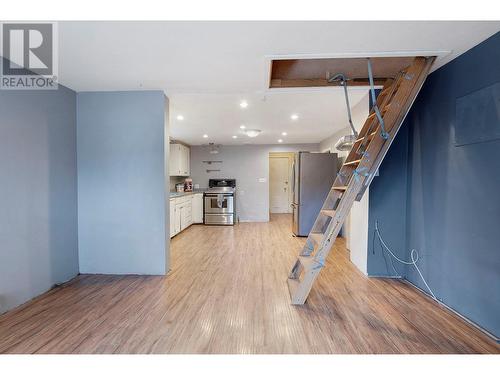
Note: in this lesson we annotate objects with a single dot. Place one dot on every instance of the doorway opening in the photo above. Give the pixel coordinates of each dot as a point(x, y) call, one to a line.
point(280, 181)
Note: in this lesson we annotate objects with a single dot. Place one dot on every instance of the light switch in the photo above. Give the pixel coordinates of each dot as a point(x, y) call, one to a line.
point(262, 179)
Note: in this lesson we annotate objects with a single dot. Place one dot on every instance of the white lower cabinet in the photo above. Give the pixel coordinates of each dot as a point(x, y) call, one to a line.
point(197, 208)
point(177, 219)
point(172, 218)
point(184, 211)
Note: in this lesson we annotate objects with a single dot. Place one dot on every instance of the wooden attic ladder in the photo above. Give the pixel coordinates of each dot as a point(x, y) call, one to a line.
point(366, 155)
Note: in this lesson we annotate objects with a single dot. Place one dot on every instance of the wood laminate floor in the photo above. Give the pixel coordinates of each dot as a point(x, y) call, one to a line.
point(227, 293)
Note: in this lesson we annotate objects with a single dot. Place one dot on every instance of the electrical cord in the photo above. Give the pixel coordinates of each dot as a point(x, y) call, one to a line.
point(413, 256)
point(390, 258)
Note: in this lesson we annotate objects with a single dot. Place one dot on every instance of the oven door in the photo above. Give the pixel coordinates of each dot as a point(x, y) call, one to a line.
point(219, 203)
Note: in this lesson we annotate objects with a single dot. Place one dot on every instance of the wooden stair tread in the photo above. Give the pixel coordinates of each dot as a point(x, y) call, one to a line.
point(362, 138)
point(383, 93)
point(330, 213)
point(339, 188)
point(307, 261)
point(382, 112)
point(354, 162)
point(316, 237)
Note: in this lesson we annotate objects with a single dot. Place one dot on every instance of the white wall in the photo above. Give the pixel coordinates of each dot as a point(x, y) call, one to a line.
point(249, 165)
point(356, 227)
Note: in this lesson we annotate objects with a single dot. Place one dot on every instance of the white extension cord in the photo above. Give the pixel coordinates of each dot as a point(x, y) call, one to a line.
point(414, 259)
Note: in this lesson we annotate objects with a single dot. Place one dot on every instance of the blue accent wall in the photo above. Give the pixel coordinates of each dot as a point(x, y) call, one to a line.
point(450, 202)
point(38, 192)
point(387, 205)
point(122, 205)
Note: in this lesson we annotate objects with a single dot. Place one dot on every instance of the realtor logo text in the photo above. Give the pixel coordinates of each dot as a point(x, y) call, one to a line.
point(29, 56)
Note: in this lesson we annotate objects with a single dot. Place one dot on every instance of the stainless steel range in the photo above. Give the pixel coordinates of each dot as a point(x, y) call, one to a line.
point(220, 207)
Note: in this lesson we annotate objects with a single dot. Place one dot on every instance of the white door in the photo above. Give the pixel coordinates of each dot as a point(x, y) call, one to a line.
point(279, 185)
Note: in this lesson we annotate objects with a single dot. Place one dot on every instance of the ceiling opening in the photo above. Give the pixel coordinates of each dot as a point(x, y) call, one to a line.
point(316, 72)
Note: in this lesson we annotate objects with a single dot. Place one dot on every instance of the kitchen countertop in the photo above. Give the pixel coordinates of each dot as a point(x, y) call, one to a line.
point(175, 194)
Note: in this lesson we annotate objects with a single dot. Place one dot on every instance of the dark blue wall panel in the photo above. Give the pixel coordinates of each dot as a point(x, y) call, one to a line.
point(392, 222)
point(453, 193)
point(387, 205)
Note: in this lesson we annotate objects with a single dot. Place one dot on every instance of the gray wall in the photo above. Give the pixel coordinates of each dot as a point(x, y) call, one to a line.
point(453, 203)
point(122, 205)
point(38, 193)
point(247, 164)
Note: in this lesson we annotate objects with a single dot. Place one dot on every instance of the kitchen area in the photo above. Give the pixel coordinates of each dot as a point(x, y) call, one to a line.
point(203, 187)
point(213, 205)
point(214, 185)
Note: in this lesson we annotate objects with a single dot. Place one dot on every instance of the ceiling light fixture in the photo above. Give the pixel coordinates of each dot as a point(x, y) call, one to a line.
point(242, 127)
point(252, 133)
point(180, 117)
point(284, 134)
point(280, 140)
point(243, 104)
point(294, 116)
point(235, 136)
point(205, 135)
point(213, 148)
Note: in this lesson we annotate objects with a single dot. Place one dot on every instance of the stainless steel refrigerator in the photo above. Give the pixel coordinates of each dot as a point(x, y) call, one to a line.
point(313, 177)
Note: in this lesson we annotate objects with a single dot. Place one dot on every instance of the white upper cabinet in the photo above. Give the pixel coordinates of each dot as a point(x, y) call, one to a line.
point(185, 161)
point(173, 163)
point(179, 160)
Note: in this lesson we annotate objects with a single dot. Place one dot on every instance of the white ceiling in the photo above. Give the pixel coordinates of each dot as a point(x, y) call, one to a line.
point(321, 113)
point(207, 67)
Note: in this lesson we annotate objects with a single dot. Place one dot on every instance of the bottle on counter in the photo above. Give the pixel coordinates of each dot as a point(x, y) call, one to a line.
point(188, 184)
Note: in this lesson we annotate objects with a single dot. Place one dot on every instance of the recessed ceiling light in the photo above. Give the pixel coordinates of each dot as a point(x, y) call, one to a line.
point(294, 116)
point(205, 135)
point(252, 133)
point(242, 127)
point(280, 140)
point(180, 117)
point(243, 104)
point(284, 133)
point(235, 136)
